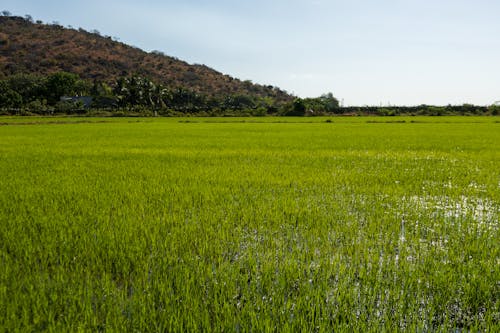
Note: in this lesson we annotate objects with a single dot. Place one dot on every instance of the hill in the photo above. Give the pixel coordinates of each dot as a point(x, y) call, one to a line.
point(37, 48)
point(40, 63)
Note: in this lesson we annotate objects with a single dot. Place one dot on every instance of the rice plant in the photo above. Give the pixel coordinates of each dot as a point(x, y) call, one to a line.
point(250, 224)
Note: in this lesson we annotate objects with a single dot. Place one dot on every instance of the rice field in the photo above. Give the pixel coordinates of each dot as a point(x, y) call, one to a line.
point(250, 224)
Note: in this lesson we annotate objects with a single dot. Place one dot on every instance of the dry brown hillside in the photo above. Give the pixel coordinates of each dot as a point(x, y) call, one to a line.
point(27, 47)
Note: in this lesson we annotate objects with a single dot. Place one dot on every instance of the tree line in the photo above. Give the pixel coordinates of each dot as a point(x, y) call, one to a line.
point(37, 94)
point(30, 94)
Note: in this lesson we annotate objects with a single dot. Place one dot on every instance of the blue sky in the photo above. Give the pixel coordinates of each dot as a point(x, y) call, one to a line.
point(404, 52)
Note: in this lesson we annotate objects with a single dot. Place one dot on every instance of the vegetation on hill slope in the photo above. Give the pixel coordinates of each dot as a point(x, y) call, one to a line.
point(40, 63)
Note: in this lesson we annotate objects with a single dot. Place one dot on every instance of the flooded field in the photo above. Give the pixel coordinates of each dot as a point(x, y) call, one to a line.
point(262, 224)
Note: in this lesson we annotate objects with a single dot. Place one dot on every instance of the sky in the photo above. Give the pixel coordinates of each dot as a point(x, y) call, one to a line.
point(378, 52)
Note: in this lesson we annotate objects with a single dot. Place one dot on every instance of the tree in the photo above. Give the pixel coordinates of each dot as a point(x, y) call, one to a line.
point(238, 102)
point(296, 108)
point(63, 84)
point(329, 102)
point(160, 94)
point(30, 87)
point(100, 89)
point(494, 108)
point(8, 97)
point(184, 99)
point(138, 90)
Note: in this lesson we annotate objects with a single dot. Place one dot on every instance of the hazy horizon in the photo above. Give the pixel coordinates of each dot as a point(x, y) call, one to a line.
point(386, 53)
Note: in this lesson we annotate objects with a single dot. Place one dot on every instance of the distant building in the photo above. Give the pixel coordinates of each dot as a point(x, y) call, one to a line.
point(85, 100)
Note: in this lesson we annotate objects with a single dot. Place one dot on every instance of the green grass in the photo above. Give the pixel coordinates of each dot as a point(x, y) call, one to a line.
point(215, 224)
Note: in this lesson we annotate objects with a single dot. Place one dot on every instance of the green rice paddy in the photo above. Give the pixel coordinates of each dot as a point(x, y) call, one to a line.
point(250, 224)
